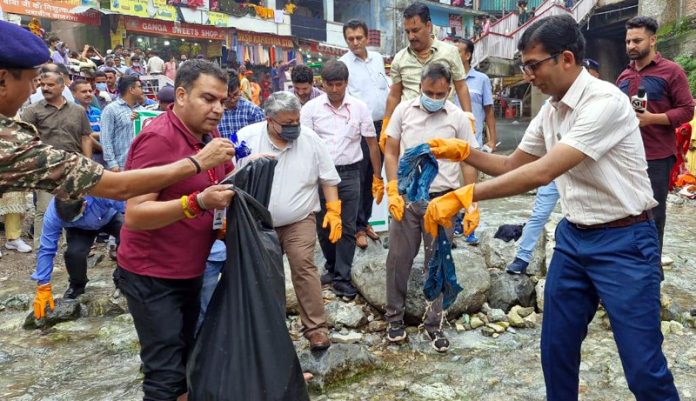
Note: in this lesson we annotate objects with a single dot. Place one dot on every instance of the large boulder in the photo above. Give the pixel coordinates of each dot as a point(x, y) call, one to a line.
point(340, 362)
point(65, 311)
point(508, 290)
point(498, 254)
point(369, 277)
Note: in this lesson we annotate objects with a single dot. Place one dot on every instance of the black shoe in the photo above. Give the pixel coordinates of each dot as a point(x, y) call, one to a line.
point(518, 266)
point(438, 340)
point(327, 278)
point(344, 289)
point(73, 292)
point(396, 331)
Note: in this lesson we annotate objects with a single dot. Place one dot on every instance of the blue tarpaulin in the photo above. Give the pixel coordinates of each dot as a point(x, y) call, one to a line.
point(417, 170)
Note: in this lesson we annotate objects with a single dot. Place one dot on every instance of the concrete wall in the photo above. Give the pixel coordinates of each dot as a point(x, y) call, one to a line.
point(610, 54)
point(663, 11)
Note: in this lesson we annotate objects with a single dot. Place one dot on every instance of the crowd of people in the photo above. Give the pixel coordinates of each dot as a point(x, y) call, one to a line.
point(338, 151)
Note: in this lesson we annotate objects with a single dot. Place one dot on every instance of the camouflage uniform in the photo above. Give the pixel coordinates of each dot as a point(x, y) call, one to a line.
point(27, 163)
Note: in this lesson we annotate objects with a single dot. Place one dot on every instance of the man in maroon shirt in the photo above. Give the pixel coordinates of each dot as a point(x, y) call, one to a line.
point(669, 105)
point(167, 235)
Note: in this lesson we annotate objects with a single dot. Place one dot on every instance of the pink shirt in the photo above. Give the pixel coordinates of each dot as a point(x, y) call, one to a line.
point(340, 128)
point(179, 250)
point(170, 70)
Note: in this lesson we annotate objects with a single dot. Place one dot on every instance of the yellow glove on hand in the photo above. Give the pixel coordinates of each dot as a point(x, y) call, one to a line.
point(453, 149)
point(377, 189)
point(471, 219)
point(396, 201)
point(383, 134)
point(44, 296)
point(472, 121)
point(440, 210)
point(332, 220)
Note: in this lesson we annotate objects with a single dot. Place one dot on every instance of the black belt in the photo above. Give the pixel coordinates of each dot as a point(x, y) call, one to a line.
point(348, 167)
point(434, 195)
point(624, 222)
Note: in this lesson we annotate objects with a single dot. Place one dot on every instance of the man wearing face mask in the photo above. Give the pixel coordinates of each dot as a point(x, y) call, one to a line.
point(304, 167)
point(412, 124)
point(83, 219)
point(342, 120)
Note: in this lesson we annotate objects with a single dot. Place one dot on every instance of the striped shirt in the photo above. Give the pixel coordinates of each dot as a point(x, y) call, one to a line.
point(117, 132)
point(243, 114)
point(596, 118)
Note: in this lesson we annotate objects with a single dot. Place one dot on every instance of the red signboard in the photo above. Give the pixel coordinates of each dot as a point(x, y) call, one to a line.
point(167, 28)
point(50, 9)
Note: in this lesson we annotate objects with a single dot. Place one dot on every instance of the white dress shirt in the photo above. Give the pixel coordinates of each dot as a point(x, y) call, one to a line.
point(368, 81)
point(341, 128)
point(302, 167)
point(597, 119)
point(155, 65)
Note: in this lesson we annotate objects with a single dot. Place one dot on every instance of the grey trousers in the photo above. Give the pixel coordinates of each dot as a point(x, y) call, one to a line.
point(404, 243)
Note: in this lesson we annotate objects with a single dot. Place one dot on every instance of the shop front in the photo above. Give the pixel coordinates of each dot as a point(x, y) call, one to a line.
point(171, 39)
point(262, 48)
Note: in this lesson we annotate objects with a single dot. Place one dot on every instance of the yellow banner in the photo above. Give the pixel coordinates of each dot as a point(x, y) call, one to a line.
point(157, 9)
point(218, 19)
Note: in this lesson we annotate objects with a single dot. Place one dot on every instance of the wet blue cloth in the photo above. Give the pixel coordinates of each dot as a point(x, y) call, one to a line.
point(442, 277)
point(417, 170)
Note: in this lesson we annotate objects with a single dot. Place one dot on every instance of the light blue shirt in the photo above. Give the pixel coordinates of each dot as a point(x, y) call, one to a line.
point(117, 132)
point(481, 93)
point(98, 213)
point(367, 81)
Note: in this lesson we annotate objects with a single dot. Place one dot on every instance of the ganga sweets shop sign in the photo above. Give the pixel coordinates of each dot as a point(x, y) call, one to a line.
point(172, 29)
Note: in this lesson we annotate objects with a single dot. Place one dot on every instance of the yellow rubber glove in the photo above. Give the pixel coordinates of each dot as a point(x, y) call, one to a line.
point(471, 219)
point(332, 220)
point(383, 134)
point(396, 201)
point(472, 121)
point(453, 149)
point(44, 296)
point(377, 189)
point(441, 210)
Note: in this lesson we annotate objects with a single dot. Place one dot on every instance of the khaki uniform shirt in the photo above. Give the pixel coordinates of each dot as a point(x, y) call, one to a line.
point(27, 163)
point(62, 128)
point(407, 68)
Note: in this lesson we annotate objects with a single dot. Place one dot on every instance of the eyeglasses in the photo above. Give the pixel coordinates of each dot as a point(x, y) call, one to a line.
point(530, 68)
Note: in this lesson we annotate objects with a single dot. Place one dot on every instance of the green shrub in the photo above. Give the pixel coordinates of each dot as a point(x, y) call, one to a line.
point(688, 63)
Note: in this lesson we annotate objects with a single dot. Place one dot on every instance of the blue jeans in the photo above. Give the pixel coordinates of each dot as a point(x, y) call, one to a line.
point(213, 267)
point(544, 203)
point(622, 267)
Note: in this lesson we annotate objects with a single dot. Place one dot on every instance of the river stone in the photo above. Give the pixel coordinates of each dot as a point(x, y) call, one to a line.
point(65, 310)
point(344, 314)
point(98, 302)
point(340, 362)
point(539, 289)
point(498, 254)
point(514, 318)
point(435, 391)
point(119, 336)
point(369, 277)
point(292, 306)
point(476, 322)
point(18, 302)
point(496, 315)
point(508, 290)
point(350, 337)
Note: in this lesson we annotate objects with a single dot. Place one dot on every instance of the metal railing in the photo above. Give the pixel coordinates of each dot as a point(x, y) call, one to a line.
point(501, 41)
point(496, 6)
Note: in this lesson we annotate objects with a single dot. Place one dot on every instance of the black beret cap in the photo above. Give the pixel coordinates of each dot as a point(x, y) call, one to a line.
point(20, 48)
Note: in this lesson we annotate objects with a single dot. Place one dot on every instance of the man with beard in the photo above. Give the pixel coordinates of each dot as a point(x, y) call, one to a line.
point(669, 105)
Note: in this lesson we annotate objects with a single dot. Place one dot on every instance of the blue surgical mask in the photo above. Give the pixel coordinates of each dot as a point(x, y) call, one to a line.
point(432, 105)
point(101, 86)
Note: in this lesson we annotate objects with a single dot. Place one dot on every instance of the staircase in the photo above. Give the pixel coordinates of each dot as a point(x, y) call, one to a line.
point(501, 42)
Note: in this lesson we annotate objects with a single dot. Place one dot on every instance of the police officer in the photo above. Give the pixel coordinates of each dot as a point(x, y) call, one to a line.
point(27, 163)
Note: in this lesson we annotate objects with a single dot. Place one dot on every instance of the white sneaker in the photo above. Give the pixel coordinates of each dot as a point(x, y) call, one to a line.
point(18, 245)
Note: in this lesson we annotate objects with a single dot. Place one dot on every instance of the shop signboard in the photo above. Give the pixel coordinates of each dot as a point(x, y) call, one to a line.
point(219, 20)
point(157, 9)
point(143, 118)
point(167, 28)
point(53, 9)
point(263, 39)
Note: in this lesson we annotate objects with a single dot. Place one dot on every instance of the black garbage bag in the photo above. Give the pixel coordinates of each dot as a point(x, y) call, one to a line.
point(243, 351)
point(256, 179)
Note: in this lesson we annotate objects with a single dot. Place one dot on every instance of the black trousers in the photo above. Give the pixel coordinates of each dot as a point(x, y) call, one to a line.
point(366, 173)
point(339, 256)
point(164, 313)
point(79, 243)
point(658, 171)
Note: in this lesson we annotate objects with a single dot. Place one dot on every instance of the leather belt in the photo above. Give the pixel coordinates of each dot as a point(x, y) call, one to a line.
point(434, 195)
point(625, 222)
point(348, 167)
